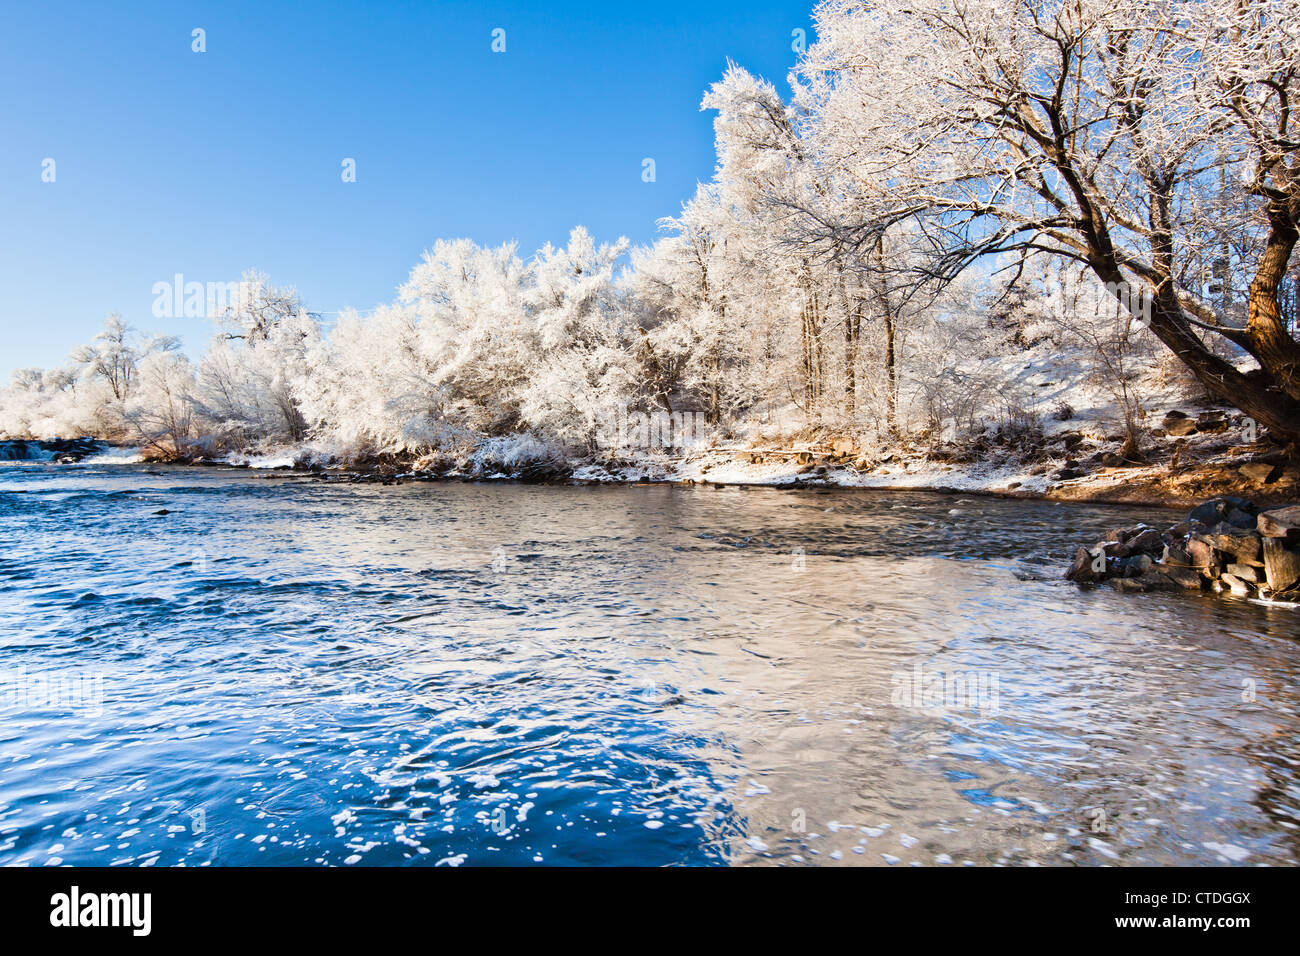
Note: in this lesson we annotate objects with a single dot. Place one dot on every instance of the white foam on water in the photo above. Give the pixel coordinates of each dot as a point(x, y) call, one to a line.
point(270, 460)
point(115, 456)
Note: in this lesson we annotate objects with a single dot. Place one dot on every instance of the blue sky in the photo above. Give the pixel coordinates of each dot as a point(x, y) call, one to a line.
point(170, 161)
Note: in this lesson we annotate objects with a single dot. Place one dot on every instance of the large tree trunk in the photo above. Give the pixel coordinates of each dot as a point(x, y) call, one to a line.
point(1258, 394)
point(1271, 396)
point(1270, 342)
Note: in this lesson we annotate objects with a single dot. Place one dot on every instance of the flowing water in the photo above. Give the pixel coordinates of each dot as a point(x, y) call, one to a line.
point(285, 671)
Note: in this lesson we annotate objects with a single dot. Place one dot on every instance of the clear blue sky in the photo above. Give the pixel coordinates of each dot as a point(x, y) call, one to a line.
point(170, 161)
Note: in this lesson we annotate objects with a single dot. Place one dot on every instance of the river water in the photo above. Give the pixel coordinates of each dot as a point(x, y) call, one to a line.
point(285, 671)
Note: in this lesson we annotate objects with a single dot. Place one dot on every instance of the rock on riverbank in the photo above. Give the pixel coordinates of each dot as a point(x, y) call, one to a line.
point(1226, 544)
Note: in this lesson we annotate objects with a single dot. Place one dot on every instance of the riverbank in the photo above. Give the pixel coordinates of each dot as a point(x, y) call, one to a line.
point(1265, 475)
point(1185, 462)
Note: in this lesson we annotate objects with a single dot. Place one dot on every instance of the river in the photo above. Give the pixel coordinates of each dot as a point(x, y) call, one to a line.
point(281, 670)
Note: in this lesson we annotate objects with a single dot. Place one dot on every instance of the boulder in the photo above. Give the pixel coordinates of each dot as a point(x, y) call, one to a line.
point(1113, 549)
point(1258, 472)
point(1146, 541)
point(1210, 512)
point(1246, 572)
point(1235, 584)
point(1243, 545)
point(1178, 427)
point(1203, 556)
point(1137, 566)
point(1240, 518)
point(1126, 585)
point(1181, 576)
point(1212, 422)
point(1151, 581)
point(1218, 509)
point(1280, 523)
point(1184, 528)
point(1087, 567)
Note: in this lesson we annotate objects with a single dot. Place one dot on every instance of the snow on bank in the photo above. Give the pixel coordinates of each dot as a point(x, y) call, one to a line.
point(501, 456)
point(730, 468)
point(263, 461)
point(908, 473)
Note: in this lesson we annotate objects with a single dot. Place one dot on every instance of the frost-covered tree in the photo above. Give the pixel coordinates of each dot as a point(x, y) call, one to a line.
point(472, 331)
point(696, 286)
point(161, 411)
point(580, 369)
point(369, 389)
point(106, 371)
point(247, 381)
point(1095, 130)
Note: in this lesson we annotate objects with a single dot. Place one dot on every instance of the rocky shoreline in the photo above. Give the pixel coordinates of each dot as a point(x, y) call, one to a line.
point(1227, 544)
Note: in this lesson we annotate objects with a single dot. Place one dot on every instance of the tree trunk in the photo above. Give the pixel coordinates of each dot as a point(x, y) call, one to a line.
point(805, 341)
point(891, 374)
point(1256, 395)
point(1277, 352)
point(850, 351)
point(887, 316)
point(819, 377)
point(1270, 396)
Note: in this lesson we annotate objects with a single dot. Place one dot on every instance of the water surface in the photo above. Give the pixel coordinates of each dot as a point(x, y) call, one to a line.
point(283, 671)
